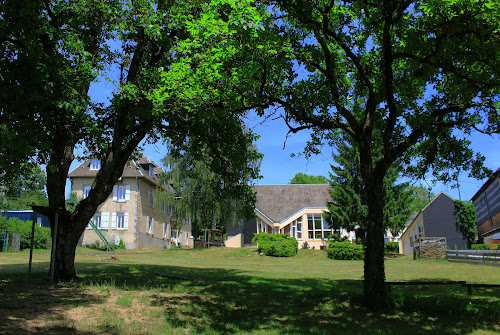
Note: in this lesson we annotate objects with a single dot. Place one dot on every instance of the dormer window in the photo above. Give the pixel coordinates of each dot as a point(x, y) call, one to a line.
point(151, 173)
point(95, 164)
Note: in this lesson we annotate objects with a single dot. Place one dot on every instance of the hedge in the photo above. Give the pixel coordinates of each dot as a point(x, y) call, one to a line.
point(480, 247)
point(391, 247)
point(15, 226)
point(277, 245)
point(345, 250)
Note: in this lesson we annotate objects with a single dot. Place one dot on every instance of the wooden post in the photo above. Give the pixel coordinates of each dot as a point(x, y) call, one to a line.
point(53, 253)
point(33, 217)
point(4, 240)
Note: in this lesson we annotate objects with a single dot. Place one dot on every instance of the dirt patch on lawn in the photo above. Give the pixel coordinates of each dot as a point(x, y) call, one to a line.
point(27, 308)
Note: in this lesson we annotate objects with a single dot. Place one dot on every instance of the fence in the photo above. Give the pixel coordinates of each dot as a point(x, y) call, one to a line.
point(483, 256)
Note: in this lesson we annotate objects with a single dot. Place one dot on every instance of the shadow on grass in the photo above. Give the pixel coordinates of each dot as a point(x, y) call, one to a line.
point(232, 301)
point(34, 307)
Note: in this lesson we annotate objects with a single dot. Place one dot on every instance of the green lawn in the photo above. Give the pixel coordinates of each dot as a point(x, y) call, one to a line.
point(235, 291)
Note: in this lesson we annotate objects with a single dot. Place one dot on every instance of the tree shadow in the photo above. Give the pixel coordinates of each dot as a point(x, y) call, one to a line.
point(28, 307)
point(232, 301)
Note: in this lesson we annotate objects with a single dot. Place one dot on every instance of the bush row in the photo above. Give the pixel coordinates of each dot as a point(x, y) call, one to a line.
point(345, 250)
point(484, 247)
point(277, 245)
point(42, 237)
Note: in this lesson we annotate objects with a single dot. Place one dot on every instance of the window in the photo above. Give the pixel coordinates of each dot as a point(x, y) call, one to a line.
point(120, 220)
point(95, 164)
point(151, 173)
point(164, 230)
point(150, 198)
point(261, 226)
point(121, 193)
point(86, 191)
point(187, 238)
point(97, 221)
point(317, 227)
point(150, 225)
point(296, 230)
point(38, 221)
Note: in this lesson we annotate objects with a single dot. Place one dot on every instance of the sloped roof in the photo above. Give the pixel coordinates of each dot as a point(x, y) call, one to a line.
point(490, 180)
point(415, 216)
point(278, 202)
point(131, 169)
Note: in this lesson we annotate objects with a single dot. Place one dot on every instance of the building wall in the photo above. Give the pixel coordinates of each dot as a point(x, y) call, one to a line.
point(249, 229)
point(489, 225)
point(440, 221)
point(411, 234)
point(138, 210)
point(487, 205)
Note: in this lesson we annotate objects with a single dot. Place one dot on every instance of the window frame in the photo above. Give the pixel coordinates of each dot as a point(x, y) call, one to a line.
point(317, 233)
point(95, 164)
point(120, 189)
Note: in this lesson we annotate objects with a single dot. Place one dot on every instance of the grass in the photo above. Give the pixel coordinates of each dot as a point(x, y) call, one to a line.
point(235, 291)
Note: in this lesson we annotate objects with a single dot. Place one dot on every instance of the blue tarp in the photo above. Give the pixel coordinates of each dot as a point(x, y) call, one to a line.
point(27, 215)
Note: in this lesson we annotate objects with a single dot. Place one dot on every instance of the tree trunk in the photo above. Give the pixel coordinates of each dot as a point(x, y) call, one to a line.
point(57, 172)
point(64, 260)
point(375, 292)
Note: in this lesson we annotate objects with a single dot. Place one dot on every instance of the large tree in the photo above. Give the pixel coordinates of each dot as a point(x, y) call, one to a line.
point(53, 51)
point(410, 77)
point(348, 208)
point(202, 195)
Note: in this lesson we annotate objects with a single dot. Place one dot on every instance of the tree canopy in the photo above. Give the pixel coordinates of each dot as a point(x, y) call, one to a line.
point(412, 78)
point(21, 191)
point(206, 197)
point(302, 178)
point(348, 208)
point(167, 85)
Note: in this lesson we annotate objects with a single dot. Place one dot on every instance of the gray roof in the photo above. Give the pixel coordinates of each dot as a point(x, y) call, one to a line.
point(131, 169)
point(278, 202)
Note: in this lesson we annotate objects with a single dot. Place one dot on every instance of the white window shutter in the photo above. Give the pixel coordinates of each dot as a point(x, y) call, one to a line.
point(127, 193)
point(125, 221)
point(168, 231)
point(105, 220)
point(152, 226)
point(113, 220)
point(115, 193)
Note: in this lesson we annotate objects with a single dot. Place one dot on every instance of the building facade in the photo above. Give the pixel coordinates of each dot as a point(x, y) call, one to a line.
point(292, 209)
point(436, 220)
point(130, 213)
point(487, 203)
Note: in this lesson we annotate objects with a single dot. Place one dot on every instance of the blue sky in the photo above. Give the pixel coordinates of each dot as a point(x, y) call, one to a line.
point(278, 167)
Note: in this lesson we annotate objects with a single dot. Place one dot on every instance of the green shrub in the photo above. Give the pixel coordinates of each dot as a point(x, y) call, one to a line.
point(391, 247)
point(480, 247)
point(277, 245)
point(15, 226)
point(345, 250)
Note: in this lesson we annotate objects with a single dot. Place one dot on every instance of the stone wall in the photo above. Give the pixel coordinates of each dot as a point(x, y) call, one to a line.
point(430, 249)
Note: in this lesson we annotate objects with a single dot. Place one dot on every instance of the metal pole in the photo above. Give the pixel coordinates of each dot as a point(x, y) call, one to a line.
point(54, 242)
point(33, 217)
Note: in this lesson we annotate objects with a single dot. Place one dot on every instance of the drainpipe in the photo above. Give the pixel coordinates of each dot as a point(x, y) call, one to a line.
point(137, 214)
